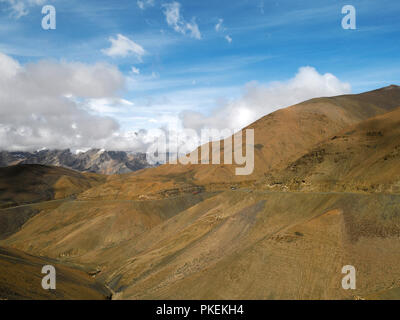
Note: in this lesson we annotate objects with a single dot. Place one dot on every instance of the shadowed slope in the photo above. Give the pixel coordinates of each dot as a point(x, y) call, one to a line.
point(26, 190)
point(79, 231)
point(12, 219)
point(24, 184)
point(21, 278)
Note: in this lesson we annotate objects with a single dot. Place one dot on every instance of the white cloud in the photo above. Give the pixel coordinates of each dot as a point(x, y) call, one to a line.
point(143, 4)
point(194, 29)
point(218, 26)
point(20, 8)
point(59, 105)
point(259, 100)
point(47, 105)
point(135, 70)
point(8, 66)
point(173, 17)
point(177, 22)
point(123, 46)
point(107, 105)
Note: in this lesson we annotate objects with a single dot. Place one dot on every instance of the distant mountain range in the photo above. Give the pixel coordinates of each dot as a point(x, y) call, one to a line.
point(94, 160)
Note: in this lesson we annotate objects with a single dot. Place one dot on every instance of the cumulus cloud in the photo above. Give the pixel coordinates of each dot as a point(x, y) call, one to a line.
point(20, 8)
point(228, 38)
point(53, 105)
point(8, 67)
point(178, 23)
point(56, 105)
point(122, 46)
point(261, 99)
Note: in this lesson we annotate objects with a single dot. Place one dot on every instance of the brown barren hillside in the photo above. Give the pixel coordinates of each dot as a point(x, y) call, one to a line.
point(280, 137)
point(266, 246)
point(79, 230)
point(239, 244)
point(26, 190)
point(21, 278)
point(362, 158)
point(24, 184)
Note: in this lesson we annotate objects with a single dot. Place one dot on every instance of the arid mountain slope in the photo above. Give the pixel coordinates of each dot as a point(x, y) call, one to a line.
point(81, 229)
point(24, 184)
point(12, 219)
point(267, 246)
point(239, 244)
point(21, 278)
point(26, 190)
point(280, 138)
point(362, 158)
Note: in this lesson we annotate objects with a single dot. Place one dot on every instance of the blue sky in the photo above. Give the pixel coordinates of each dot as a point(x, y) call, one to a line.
point(182, 70)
